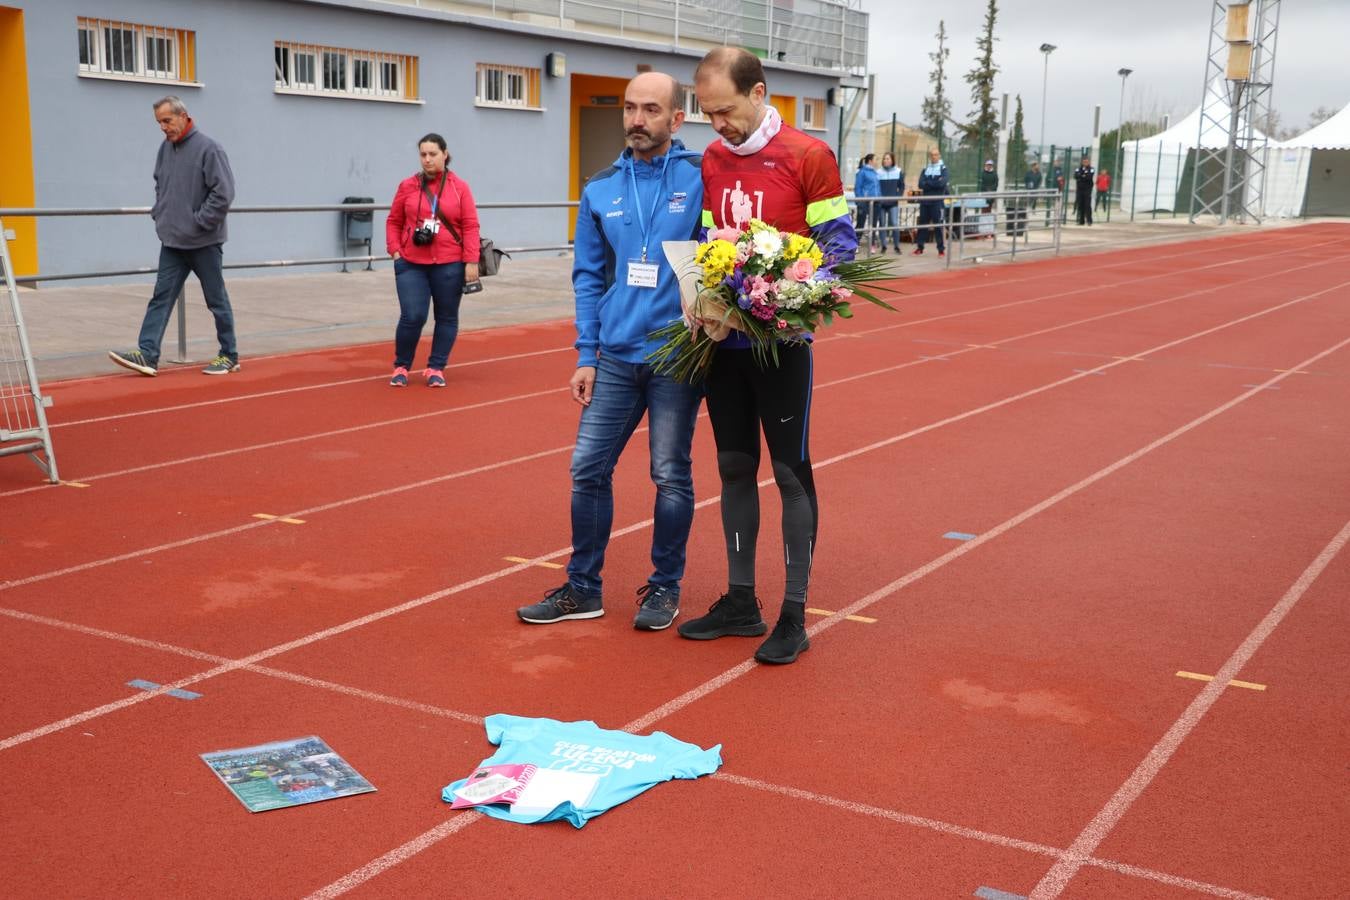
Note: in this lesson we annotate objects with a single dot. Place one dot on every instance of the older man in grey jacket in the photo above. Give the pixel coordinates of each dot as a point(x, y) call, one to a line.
point(193, 191)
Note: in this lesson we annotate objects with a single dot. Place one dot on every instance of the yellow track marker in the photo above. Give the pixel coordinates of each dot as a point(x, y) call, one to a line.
point(521, 559)
point(1196, 676)
point(983, 346)
point(826, 612)
point(79, 484)
point(270, 517)
point(1132, 358)
point(1294, 371)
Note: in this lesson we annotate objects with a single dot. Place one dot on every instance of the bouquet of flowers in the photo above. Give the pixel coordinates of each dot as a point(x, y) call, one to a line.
point(773, 286)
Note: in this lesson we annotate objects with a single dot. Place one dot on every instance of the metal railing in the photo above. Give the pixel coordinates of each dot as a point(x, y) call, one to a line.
point(1006, 219)
point(181, 304)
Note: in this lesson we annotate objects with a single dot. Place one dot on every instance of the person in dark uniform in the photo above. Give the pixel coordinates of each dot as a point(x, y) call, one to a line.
point(933, 182)
point(1032, 180)
point(1083, 178)
point(989, 178)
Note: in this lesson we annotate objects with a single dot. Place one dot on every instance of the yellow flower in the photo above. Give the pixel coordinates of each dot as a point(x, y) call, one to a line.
point(718, 259)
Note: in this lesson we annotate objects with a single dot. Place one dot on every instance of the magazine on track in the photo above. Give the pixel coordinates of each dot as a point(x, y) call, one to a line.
point(286, 773)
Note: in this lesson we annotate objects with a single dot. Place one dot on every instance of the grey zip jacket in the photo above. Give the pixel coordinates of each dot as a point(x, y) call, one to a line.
point(194, 188)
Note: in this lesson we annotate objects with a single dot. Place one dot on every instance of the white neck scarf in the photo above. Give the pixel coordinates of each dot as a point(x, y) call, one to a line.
point(761, 136)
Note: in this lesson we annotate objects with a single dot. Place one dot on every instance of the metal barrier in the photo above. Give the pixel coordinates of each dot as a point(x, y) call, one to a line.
point(181, 305)
point(23, 416)
point(1007, 219)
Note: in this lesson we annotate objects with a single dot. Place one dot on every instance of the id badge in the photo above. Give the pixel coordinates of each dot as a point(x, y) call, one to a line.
point(641, 274)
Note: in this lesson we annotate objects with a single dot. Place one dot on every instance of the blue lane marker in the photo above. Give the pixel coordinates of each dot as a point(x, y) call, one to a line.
point(144, 685)
point(959, 536)
point(989, 893)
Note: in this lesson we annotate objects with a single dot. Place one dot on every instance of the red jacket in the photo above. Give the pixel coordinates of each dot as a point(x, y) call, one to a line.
point(1103, 182)
point(412, 205)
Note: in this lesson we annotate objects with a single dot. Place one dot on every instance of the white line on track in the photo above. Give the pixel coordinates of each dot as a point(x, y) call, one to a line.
point(378, 865)
point(1058, 878)
point(410, 849)
point(991, 285)
point(325, 434)
point(1076, 856)
point(294, 390)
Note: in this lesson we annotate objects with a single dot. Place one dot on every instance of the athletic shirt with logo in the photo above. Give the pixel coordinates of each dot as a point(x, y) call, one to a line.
point(793, 184)
point(608, 766)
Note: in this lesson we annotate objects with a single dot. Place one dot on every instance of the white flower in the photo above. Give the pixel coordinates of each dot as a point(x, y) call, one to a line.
point(790, 294)
point(768, 244)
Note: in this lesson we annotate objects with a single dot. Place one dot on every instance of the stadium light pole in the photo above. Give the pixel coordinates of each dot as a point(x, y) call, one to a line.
point(1120, 135)
point(1047, 49)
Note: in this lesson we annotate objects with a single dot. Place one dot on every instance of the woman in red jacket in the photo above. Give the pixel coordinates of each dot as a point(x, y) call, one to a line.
point(432, 234)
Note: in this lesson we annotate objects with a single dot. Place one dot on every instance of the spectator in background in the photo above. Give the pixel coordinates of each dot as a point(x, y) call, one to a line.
point(867, 184)
point(1033, 179)
point(933, 182)
point(1103, 190)
point(1083, 178)
point(432, 234)
point(892, 180)
point(194, 188)
point(989, 178)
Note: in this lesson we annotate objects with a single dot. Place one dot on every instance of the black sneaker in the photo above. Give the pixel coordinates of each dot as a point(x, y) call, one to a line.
point(658, 606)
point(134, 360)
point(788, 639)
point(735, 613)
point(562, 603)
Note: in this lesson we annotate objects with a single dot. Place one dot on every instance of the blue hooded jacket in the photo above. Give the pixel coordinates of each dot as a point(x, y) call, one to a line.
point(612, 316)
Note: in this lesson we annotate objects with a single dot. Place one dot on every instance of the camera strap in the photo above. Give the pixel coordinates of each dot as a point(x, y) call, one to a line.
point(433, 200)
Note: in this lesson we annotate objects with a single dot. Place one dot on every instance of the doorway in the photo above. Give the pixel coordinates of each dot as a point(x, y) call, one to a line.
point(597, 130)
point(16, 151)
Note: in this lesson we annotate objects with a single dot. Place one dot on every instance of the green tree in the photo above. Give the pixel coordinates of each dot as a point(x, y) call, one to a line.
point(937, 109)
point(982, 130)
point(1017, 145)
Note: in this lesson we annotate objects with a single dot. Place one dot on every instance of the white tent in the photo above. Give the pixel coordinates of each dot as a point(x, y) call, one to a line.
point(1322, 158)
point(1151, 168)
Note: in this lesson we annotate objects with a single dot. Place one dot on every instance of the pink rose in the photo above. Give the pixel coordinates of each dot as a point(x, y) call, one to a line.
point(840, 293)
point(801, 270)
point(782, 323)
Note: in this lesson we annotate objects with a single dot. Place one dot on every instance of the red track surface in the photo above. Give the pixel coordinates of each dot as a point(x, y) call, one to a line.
point(1150, 445)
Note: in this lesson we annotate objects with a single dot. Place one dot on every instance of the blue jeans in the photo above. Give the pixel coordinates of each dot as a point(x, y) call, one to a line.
point(174, 266)
point(623, 392)
point(889, 218)
point(420, 286)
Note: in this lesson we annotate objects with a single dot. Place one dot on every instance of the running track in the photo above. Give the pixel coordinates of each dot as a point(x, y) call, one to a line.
point(1148, 447)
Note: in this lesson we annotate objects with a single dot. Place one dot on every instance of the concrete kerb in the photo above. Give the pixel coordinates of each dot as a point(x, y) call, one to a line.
point(71, 327)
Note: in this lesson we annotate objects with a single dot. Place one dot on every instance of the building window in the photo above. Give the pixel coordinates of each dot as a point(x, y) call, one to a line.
point(135, 51)
point(813, 114)
point(692, 111)
point(335, 72)
point(510, 86)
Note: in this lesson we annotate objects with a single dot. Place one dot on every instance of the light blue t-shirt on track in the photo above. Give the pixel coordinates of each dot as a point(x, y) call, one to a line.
point(603, 767)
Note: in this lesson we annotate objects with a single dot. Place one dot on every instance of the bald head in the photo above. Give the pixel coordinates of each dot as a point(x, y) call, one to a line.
point(649, 82)
point(739, 66)
point(652, 112)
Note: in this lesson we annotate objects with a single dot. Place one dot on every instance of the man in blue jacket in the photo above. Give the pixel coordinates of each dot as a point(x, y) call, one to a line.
point(933, 182)
point(194, 188)
point(625, 290)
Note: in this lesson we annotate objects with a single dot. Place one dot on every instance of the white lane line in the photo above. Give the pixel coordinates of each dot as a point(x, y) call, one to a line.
point(1058, 878)
point(320, 683)
point(975, 834)
point(489, 467)
point(396, 855)
point(319, 435)
point(299, 439)
point(264, 523)
point(412, 848)
point(995, 284)
point(291, 390)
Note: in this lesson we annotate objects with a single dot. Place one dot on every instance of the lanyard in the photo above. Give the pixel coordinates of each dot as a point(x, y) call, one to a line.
point(656, 200)
point(435, 201)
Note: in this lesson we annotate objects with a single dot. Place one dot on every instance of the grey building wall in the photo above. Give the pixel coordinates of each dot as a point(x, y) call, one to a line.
point(94, 140)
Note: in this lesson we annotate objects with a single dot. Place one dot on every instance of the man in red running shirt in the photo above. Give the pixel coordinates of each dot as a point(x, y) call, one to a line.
point(763, 169)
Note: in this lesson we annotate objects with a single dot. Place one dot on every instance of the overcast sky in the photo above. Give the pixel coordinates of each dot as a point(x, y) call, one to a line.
point(1163, 41)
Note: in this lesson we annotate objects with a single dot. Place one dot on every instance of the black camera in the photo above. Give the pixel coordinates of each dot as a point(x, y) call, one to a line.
point(423, 236)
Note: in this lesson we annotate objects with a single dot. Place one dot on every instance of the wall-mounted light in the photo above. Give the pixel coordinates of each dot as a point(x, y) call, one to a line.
point(555, 64)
